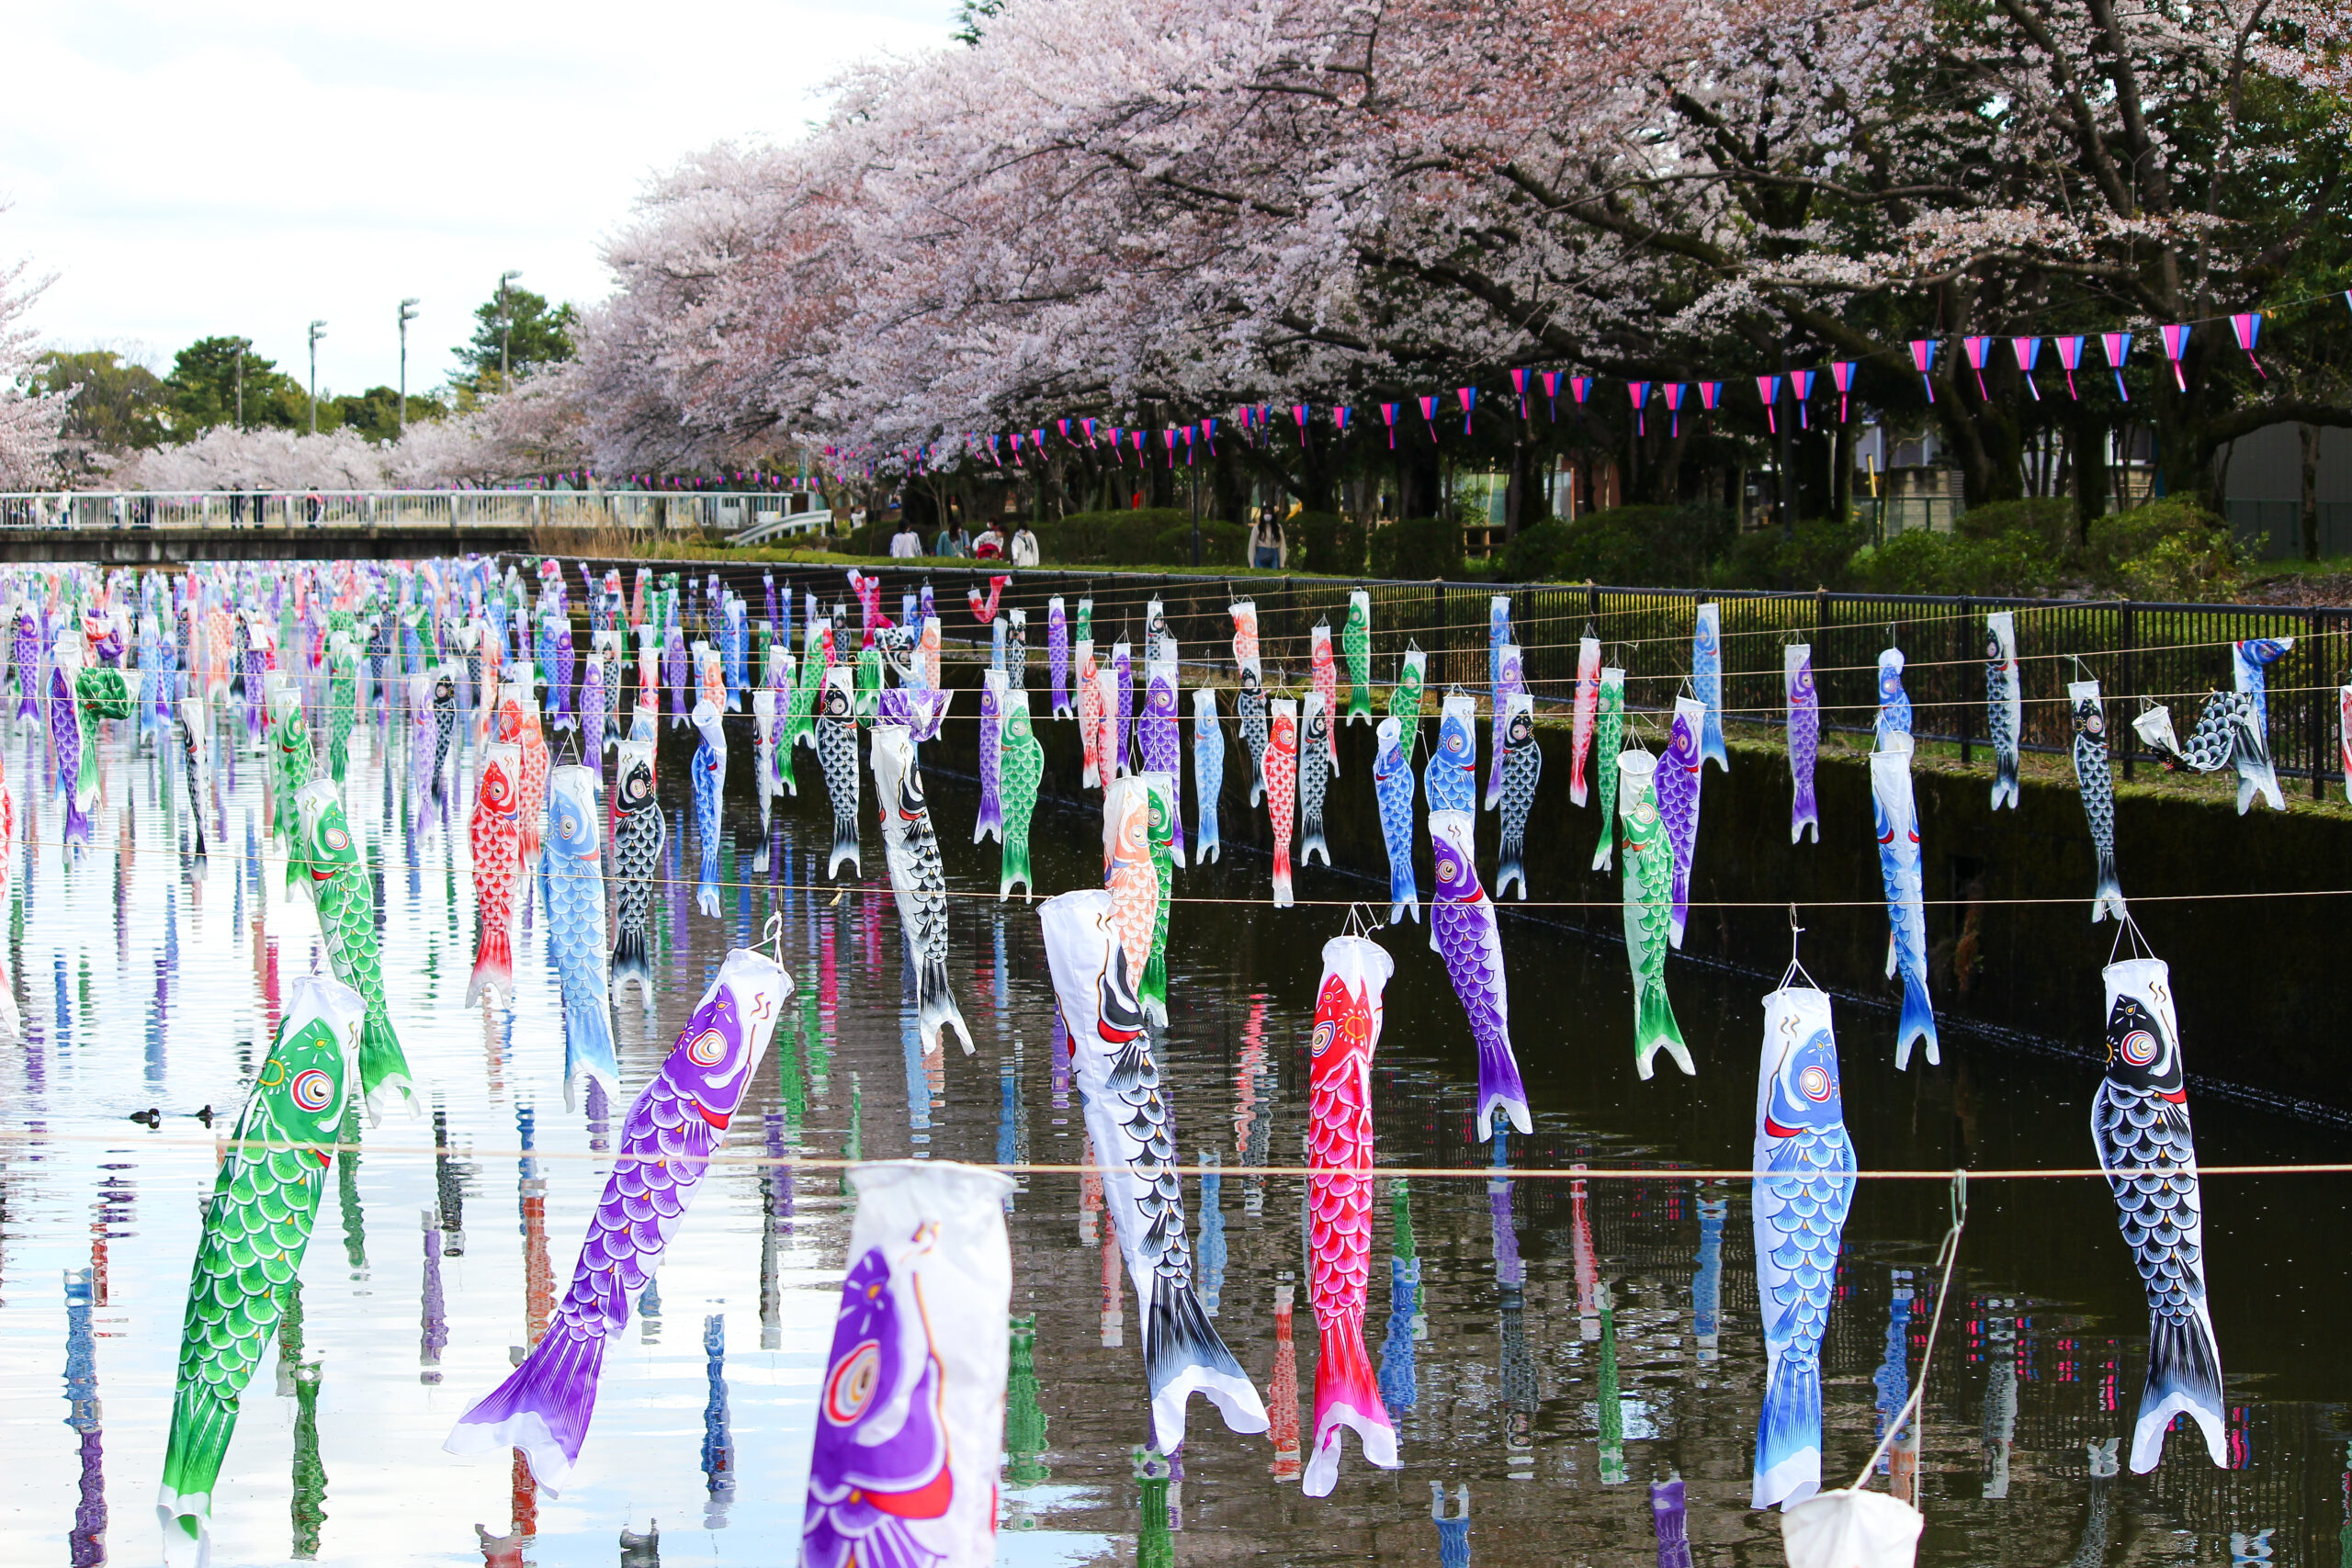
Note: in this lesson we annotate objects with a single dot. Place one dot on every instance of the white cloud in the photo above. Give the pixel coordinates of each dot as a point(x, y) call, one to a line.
point(248, 166)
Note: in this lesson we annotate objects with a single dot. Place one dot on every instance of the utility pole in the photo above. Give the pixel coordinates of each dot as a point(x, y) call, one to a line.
point(242, 344)
point(318, 331)
point(505, 326)
point(408, 315)
point(1788, 463)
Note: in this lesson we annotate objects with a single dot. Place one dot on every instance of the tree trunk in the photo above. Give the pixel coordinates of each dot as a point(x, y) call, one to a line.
point(1515, 490)
point(2309, 433)
point(2086, 448)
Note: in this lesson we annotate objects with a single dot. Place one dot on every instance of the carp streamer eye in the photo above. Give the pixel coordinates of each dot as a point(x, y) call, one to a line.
point(706, 1049)
point(337, 839)
point(2140, 1047)
point(1320, 1041)
point(1815, 1082)
point(1446, 870)
point(314, 1090)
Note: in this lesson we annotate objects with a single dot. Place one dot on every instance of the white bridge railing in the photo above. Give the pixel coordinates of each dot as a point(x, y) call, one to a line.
point(761, 516)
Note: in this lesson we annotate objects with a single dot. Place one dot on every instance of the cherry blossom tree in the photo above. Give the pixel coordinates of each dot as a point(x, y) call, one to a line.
point(30, 420)
point(1149, 211)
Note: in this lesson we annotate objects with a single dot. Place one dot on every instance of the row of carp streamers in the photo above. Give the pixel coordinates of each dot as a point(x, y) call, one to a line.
point(884, 1486)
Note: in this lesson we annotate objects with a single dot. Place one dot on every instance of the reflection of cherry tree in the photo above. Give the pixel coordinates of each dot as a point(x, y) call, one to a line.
point(1153, 208)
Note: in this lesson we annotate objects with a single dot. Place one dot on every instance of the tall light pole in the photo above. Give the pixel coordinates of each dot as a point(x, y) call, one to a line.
point(318, 331)
point(242, 344)
point(506, 324)
point(408, 315)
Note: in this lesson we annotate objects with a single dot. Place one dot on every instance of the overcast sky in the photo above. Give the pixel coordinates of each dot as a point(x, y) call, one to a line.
point(190, 167)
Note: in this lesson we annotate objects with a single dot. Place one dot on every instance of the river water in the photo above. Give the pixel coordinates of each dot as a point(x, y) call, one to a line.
point(1571, 1341)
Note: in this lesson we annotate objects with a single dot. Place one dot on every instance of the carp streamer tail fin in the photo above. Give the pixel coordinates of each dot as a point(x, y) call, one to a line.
point(2183, 1374)
point(1917, 1023)
point(629, 963)
point(844, 847)
point(1182, 1356)
point(1655, 1030)
point(1346, 1394)
point(1015, 868)
point(588, 1046)
point(494, 978)
point(201, 1425)
point(935, 1005)
point(542, 1408)
point(1788, 1433)
point(383, 1066)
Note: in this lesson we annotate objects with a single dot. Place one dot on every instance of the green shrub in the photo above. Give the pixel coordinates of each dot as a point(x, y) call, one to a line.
point(1109, 538)
point(1624, 546)
point(2171, 549)
point(2016, 563)
point(2052, 519)
point(1418, 549)
point(1324, 542)
point(1222, 544)
point(1535, 555)
point(1818, 557)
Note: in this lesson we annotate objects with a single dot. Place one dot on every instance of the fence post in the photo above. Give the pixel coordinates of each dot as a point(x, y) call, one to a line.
point(2129, 630)
point(1967, 728)
point(2316, 698)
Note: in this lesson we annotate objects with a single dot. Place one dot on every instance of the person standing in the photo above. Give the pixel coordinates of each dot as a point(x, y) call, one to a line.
point(905, 544)
point(953, 541)
point(990, 546)
point(1267, 548)
point(1023, 549)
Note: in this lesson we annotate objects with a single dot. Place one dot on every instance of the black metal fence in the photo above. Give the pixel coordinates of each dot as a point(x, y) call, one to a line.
point(2139, 653)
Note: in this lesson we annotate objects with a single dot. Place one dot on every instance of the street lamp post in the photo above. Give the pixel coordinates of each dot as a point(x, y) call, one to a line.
point(506, 325)
point(318, 331)
point(408, 315)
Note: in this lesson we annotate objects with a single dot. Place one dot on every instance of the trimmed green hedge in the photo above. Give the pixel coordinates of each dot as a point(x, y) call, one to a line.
point(1418, 548)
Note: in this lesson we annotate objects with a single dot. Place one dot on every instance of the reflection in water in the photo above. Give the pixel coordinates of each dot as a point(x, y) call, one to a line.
point(1399, 1386)
point(309, 1490)
point(433, 1336)
point(1593, 1261)
point(1520, 1391)
point(1588, 1265)
point(1024, 1420)
point(1707, 1285)
point(450, 1173)
point(1666, 1514)
point(641, 1550)
point(1114, 1303)
point(1154, 1546)
point(1281, 1389)
point(1453, 1527)
point(1613, 1403)
point(1208, 1255)
point(355, 1224)
point(718, 1446)
point(2090, 1548)
point(2000, 1396)
point(775, 1221)
point(1893, 1378)
point(87, 1543)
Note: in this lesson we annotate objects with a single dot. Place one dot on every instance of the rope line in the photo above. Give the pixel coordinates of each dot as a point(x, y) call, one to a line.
point(1032, 1168)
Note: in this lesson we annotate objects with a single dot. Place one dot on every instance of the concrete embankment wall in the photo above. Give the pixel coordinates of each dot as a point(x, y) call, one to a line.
point(2263, 983)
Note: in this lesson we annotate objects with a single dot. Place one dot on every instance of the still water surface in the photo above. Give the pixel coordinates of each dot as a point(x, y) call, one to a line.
point(1570, 1341)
